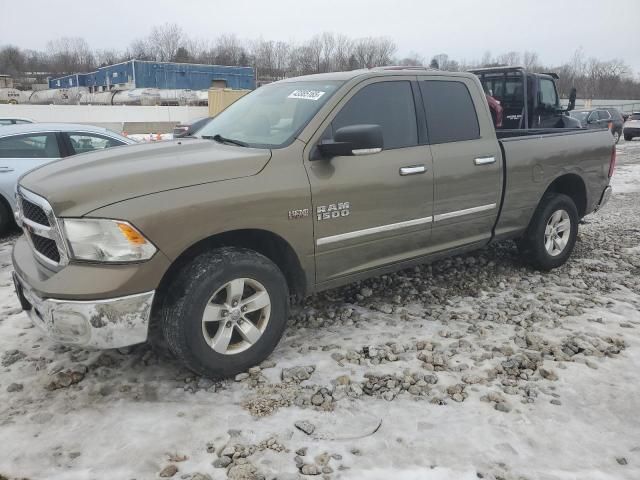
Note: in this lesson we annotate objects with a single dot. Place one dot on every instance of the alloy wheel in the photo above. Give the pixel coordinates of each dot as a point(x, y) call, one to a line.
point(557, 233)
point(236, 316)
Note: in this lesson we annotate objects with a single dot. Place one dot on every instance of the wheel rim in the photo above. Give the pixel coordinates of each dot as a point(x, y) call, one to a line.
point(616, 136)
point(557, 233)
point(236, 316)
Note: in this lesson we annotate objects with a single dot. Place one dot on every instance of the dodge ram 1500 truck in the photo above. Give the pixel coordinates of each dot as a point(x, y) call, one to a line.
point(302, 185)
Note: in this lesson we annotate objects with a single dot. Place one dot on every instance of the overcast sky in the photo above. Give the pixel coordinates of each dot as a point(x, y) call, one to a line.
point(464, 29)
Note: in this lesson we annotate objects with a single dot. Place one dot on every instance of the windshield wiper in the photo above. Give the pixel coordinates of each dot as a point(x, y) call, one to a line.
point(220, 139)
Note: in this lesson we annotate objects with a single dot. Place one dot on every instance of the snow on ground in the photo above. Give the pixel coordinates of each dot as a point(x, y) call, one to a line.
point(473, 367)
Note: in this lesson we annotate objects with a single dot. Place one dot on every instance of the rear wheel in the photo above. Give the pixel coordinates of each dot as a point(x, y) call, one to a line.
point(616, 136)
point(552, 233)
point(225, 311)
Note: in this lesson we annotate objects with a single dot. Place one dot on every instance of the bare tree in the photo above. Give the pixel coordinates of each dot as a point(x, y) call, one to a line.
point(164, 41)
point(70, 55)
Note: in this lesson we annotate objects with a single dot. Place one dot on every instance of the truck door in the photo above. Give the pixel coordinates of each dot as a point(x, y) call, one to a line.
point(375, 209)
point(467, 162)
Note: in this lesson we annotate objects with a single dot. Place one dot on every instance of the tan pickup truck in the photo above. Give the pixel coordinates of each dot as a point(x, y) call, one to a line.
point(302, 185)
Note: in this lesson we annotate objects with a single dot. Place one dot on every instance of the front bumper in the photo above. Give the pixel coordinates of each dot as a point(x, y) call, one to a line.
point(632, 131)
point(109, 323)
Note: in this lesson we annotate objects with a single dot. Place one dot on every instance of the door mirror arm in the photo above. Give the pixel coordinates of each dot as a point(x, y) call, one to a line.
point(352, 140)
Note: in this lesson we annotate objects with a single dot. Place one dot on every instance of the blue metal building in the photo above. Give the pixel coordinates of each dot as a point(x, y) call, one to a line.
point(144, 74)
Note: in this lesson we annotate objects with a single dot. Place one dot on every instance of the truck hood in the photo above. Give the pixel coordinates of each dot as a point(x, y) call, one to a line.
point(77, 185)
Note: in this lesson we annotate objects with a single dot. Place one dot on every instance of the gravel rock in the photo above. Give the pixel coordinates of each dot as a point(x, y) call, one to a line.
point(310, 469)
point(12, 356)
point(168, 471)
point(67, 378)
point(305, 426)
point(222, 462)
point(297, 374)
point(15, 387)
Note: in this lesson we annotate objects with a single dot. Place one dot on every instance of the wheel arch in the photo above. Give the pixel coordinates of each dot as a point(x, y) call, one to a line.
point(267, 243)
point(573, 186)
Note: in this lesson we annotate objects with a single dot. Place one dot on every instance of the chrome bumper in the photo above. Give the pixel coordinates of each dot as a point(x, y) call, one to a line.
point(111, 323)
point(606, 195)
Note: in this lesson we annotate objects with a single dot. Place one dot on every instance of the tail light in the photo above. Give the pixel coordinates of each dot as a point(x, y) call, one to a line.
point(610, 125)
point(612, 161)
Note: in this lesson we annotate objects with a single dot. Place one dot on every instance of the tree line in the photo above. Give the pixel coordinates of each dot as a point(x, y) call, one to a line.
point(325, 52)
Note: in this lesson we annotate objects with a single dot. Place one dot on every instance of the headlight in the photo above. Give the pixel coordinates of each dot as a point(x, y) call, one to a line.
point(103, 240)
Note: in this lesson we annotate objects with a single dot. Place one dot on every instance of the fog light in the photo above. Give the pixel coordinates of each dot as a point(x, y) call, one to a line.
point(70, 326)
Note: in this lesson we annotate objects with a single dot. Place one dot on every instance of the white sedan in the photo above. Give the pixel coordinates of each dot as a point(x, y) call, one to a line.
point(27, 146)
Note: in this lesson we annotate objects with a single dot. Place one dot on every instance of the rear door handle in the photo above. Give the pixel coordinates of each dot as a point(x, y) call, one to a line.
point(412, 170)
point(6, 169)
point(484, 160)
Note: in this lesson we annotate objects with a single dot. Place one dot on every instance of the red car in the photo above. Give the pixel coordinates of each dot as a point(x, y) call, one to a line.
point(496, 111)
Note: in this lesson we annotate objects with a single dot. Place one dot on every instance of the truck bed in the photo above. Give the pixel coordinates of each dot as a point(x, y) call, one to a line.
point(533, 158)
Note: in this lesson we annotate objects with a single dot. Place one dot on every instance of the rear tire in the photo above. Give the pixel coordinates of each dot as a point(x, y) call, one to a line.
point(616, 136)
point(552, 233)
point(225, 311)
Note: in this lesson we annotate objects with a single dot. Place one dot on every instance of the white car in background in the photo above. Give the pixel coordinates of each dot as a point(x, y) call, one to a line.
point(29, 145)
point(5, 121)
point(631, 127)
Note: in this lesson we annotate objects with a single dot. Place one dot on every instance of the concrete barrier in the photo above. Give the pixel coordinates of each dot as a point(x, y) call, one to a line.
point(128, 118)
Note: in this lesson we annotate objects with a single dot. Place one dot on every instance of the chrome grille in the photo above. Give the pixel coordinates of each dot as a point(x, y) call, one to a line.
point(33, 212)
point(46, 246)
point(41, 228)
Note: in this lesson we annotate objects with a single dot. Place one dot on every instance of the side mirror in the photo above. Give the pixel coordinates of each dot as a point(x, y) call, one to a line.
point(353, 140)
point(572, 99)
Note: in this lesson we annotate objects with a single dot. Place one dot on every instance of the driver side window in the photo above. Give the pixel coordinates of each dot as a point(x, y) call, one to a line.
point(388, 104)
point(548, 92)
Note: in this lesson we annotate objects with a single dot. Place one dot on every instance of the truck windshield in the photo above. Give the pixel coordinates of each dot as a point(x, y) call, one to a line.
point(271, 116)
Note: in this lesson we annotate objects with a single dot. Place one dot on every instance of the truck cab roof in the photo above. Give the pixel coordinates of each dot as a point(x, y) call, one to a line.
point(391, 71)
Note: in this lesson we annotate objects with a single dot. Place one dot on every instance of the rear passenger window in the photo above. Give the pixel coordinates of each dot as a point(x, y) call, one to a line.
point(388, 104)
point(88, 142)
point(39, 145)
point(451, 116)
point(604, 115)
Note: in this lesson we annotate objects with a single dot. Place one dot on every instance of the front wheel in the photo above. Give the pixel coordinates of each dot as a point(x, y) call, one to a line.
point(225, 311)
point(6, 218)
point(628, 138)
point(552, 233)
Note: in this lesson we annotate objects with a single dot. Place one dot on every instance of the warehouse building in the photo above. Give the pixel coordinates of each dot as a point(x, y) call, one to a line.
point(163, 75)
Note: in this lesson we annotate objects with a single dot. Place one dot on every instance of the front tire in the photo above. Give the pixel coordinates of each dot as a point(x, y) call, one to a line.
point(225, 311)
point(552, 233)
point(628, 138)
point(6, 218)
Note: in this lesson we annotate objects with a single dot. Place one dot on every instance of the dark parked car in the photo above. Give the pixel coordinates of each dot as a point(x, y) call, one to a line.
point(189, 128)
point(632, 127)
point(601, 118)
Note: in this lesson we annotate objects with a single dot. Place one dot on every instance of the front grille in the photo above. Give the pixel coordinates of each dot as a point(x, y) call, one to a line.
point(41, 229)
point(46, 247)
point(33, 212)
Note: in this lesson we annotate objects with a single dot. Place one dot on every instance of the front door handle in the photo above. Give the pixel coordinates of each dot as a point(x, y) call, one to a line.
point(412, 170)
point(6, 169)
point(484, 160)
